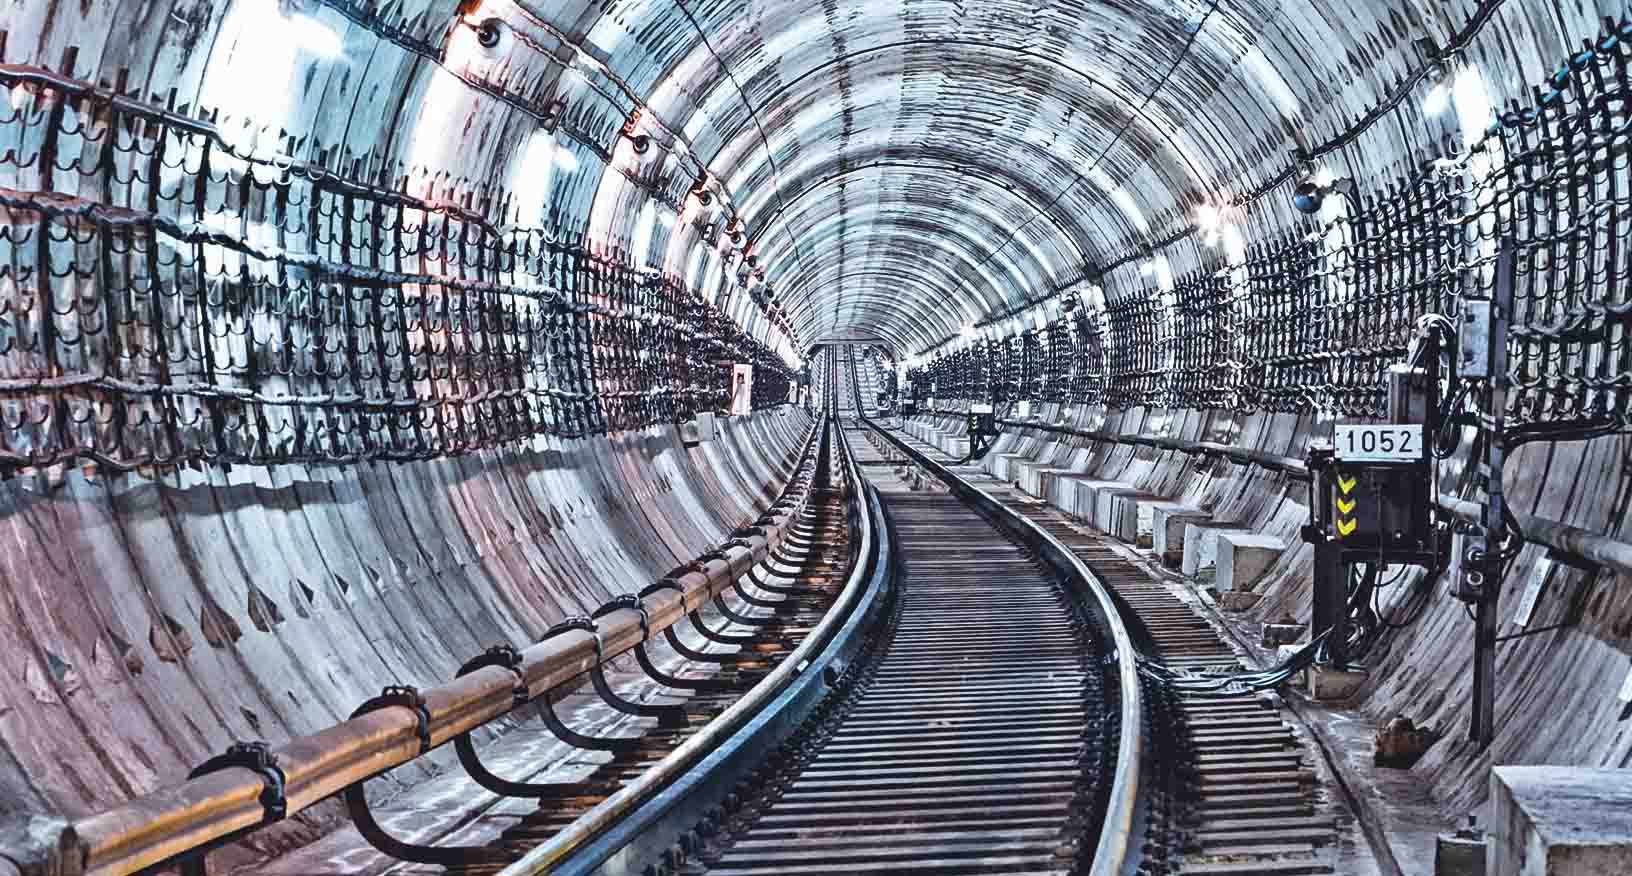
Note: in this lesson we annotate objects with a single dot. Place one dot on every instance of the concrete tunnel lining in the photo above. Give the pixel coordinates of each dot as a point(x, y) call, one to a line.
point(915, 173)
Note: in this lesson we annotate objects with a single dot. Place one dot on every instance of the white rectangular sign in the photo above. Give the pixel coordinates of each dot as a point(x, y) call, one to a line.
point(1532, 592)
point(742, 389)
point(1379, 443)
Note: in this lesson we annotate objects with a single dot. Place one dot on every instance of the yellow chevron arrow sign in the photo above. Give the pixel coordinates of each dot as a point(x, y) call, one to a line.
point(1344, 527)
point(1346, 484)
point(1346, 507)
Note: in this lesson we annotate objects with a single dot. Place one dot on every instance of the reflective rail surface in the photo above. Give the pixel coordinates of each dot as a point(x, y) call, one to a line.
point(1114, 850)
point(1228, 784)
point(980, 713)
point(970, 744)
point(995, 724)
point(662, 807)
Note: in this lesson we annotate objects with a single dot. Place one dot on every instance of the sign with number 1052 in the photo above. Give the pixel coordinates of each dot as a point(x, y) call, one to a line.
point(1380, 443)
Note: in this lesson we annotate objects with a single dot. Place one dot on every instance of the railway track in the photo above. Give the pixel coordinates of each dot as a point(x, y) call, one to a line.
point(976, 710)
point(974, 742)
point(781, 615)
point(1242, 795)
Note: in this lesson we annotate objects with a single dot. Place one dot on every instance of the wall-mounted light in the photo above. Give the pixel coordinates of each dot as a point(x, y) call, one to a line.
point(1311, 194)
point(1439, 80)
point(1209, 216)
point(494, 38)
point(314, 36)
point(1210, 221)
point(699, 190)
point(565, 159)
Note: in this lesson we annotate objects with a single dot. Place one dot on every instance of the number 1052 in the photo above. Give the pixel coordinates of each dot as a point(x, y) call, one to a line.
point(1391, 442)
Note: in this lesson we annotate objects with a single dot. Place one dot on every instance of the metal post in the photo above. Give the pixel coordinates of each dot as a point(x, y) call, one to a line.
point(1330, 610)
point(1482, 728)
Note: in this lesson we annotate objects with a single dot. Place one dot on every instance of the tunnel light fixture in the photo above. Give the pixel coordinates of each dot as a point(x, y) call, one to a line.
point(968, 331)
point(1440, 81)
point(314, 36)
point(1311, 194)
point(1474, 110)
point(565, 159)
point(1438, 100)
point(1209, 216)
point(1147, 267)
point(494, 38)
point(1210, 221)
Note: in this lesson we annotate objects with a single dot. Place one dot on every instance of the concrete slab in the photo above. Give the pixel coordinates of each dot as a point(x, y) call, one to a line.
point(1167, 522)
point(1201, 544)
point(1560, 821)
point(1082, 494)
point(1117, 512)
point(1244, 558)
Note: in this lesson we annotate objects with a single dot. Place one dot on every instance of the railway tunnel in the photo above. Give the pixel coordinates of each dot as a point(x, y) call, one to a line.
point(748, 436)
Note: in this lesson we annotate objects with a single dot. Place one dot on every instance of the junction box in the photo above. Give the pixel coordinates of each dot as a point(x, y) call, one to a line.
point(982, 429)
point(1372, 502)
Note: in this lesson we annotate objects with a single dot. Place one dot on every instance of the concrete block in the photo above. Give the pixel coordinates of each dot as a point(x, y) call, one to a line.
point(1086, 504)
point(1244, 558)
point(1167, 522)
point(1461, 852)
point(1201, 544)
point(1560, 821)
point(1326, 683)
point(1119, 509)
point(1026, 472)
point(1064, 494)
point(1048, 484)
point(1003, 465)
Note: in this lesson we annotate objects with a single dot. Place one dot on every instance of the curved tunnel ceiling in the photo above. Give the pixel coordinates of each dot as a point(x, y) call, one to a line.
point(930, 163)
point(901, 168)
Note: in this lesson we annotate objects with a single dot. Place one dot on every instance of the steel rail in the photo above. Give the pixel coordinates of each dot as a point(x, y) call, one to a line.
point(608, 829)
point(174, 821)
point(1124, 817)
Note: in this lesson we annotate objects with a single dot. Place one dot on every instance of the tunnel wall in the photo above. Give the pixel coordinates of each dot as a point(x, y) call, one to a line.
point(1556, 696)
point(150, 623)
